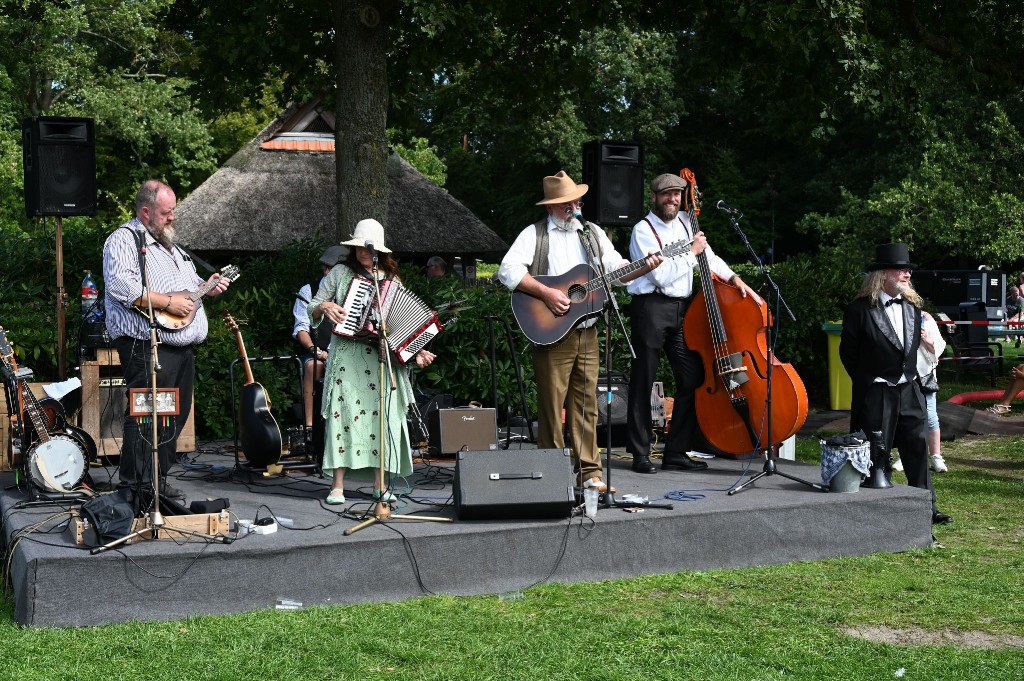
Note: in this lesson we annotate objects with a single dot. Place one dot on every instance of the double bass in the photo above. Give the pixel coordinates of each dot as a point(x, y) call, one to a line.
point(730, 333)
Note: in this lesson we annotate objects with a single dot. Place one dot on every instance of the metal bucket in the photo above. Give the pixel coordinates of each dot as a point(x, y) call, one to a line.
point(847, 480)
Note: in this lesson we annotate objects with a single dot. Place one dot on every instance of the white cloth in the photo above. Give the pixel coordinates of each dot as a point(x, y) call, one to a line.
point(928, 361)
point(674, 277)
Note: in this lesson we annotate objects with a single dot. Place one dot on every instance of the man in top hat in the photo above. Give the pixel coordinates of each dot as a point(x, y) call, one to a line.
point(659, 302)
point(314, 346)
point(566, 372)
point(878, 348)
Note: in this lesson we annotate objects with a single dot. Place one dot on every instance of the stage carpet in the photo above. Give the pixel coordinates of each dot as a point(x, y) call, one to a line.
point(57, 582)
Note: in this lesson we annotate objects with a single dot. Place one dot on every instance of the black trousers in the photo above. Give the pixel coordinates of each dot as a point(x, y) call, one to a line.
point(177, 370)
point(656, 325)
point(899, 413)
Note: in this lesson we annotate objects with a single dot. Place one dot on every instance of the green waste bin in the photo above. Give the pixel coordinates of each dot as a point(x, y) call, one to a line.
point(840, 387)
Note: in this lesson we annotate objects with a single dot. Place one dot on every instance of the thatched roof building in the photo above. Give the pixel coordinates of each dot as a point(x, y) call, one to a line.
point(280, 188)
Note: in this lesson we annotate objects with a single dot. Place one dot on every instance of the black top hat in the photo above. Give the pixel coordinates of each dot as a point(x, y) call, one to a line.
point(891, 256)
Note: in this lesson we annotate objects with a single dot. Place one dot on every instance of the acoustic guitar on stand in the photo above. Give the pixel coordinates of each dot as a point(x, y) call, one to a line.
point(586, 294)
point(172, 322)
point(258, 430)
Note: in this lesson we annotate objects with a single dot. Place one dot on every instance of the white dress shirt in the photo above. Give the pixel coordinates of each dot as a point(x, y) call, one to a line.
point(674, 277)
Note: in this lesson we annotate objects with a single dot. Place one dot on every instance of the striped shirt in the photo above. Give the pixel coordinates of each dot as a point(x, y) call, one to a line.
point(167, 271)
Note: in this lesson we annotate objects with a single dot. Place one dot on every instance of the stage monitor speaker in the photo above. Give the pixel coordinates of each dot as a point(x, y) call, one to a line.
point(60, 166)
point(615, 173)
point(462, 429)
point(519, 483)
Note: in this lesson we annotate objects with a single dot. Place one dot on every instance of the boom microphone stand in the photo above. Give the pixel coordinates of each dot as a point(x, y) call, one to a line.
point(386, 383)
point(770, 466)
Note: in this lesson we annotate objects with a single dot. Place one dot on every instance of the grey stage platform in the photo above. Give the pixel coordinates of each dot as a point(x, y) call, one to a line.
point(774, 521)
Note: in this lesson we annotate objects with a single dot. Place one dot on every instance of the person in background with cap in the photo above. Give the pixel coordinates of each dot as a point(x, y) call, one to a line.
point(878, 347)
point(566, 372)
point(436, 267)
point(659, 301)
point(351, 397)
point(314, 349)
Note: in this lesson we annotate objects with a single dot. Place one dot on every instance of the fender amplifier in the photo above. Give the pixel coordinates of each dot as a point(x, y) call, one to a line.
point(462, 429)
point(518, 483)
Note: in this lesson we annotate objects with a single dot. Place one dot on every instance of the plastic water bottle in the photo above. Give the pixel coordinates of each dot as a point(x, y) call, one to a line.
point(90, 296)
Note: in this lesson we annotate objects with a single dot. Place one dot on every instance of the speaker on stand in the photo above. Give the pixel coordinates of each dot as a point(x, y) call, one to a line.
point(59, 157)
point(615, 173)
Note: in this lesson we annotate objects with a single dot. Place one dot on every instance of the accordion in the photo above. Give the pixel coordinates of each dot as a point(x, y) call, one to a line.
point(410, 323)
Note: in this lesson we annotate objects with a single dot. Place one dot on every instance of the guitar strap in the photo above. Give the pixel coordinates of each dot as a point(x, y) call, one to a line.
point(140, 244)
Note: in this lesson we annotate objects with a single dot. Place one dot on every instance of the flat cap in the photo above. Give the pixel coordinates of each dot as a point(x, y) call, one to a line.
point(333, 255)
point(667, 181)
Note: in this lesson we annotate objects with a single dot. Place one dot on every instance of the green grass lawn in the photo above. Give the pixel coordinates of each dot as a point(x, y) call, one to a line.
point(950, 612)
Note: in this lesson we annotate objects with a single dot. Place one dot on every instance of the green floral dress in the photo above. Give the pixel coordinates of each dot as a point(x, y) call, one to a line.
point(351, 400)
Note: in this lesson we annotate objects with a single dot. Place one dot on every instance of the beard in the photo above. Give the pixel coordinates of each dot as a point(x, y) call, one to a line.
point(164, 235)
point(666, 213)
point(568, 224)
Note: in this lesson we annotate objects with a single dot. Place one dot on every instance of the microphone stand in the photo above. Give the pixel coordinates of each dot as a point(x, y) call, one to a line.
point(770, 465)
point(386, 382)
point(612, 303)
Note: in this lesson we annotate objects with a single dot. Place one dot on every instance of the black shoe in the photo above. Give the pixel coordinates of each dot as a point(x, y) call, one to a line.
point(683, 462)
point(642, 464)
point(940, 518)
point(169, 492)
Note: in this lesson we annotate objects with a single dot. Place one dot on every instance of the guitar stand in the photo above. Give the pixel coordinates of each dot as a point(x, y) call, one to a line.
point(771, 468)
point(308, 461)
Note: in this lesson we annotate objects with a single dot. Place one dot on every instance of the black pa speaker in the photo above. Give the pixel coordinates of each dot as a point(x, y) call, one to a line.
point(520, 483)
point(615, 173)
point(60, 166)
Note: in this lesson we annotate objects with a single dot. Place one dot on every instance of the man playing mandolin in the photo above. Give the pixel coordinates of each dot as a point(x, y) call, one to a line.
point(659, 302)
point(167, 270)
point(566, 371)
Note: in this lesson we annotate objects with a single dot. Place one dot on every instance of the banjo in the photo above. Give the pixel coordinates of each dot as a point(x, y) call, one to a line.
point(56, 462)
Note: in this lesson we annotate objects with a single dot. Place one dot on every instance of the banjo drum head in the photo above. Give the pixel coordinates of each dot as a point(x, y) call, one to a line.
point(57, 465)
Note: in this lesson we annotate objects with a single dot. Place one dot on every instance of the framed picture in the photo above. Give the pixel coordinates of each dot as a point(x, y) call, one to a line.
point(141, 402)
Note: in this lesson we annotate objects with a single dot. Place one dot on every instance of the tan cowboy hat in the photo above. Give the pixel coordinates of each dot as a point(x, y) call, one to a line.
point(559, 188)
point(368, 230)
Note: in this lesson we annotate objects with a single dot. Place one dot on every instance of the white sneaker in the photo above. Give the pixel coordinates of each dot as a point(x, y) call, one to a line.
point(939, 464)
point(897, 465)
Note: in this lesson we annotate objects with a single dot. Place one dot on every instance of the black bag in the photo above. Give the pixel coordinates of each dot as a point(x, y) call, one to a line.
point(929, 383)
point(111, 515)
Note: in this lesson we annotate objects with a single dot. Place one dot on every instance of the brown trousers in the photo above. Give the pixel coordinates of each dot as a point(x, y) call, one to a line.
point(566, 374)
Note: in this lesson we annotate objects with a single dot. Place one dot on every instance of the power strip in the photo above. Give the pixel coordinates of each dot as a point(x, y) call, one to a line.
point(247, 526)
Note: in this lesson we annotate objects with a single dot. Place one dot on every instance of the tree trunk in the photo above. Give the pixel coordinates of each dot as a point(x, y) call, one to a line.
point(361, 147)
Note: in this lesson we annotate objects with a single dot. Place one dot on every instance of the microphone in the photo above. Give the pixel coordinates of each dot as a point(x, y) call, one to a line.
point(368, 245)
point(722, 205)
point(578, 214)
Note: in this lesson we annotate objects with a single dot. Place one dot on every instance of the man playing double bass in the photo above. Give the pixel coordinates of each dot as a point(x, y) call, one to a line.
point(659, 302)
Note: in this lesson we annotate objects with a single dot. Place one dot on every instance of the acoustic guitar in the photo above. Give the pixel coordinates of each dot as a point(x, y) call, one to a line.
point(258, 430)
point(586, 293)
point(172, 322)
